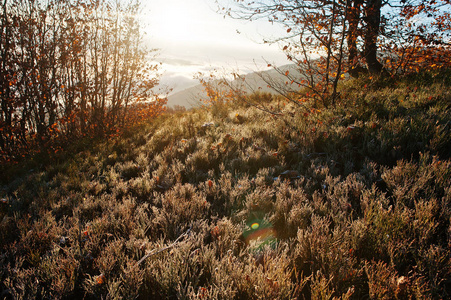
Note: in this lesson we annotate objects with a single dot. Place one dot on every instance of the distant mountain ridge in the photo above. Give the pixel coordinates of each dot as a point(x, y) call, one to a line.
point(189, 97)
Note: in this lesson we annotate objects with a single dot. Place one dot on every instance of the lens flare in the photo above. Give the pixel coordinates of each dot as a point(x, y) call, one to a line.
point(259, 235)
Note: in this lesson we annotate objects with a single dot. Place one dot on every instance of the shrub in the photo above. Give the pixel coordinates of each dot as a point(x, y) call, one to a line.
point(350, 202)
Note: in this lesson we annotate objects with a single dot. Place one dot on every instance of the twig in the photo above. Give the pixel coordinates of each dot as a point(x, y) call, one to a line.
point(156, 251)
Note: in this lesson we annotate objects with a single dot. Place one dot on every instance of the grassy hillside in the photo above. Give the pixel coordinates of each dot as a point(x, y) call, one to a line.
point(229, 202)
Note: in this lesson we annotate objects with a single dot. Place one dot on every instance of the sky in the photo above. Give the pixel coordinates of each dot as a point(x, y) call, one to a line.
point(192, 37)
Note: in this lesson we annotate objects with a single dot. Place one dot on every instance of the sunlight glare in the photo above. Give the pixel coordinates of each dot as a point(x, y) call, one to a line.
point(176, 22)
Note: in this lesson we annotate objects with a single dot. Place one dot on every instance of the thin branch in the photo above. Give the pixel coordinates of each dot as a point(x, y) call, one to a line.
point(159, 250)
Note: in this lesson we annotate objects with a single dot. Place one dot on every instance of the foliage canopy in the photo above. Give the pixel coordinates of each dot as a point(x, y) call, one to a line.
point(354, 36)
point(70, 69)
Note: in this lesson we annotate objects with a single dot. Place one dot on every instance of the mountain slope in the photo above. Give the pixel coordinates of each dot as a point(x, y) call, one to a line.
point(253, 82)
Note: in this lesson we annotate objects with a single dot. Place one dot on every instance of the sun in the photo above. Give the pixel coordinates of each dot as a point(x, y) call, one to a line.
point(175, 21)
point(177, 26)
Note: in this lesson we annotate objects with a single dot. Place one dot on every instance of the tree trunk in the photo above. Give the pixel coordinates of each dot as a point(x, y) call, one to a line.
point(353, 17)
point(373, 20)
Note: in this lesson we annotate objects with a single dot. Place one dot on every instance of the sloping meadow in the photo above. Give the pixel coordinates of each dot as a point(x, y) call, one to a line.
point(230, 202)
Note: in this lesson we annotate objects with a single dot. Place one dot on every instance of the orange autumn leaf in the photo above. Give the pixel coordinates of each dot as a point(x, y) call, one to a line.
point(100, 279)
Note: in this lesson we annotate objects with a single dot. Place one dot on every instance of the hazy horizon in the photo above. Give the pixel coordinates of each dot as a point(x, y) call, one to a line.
point(192, 37)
